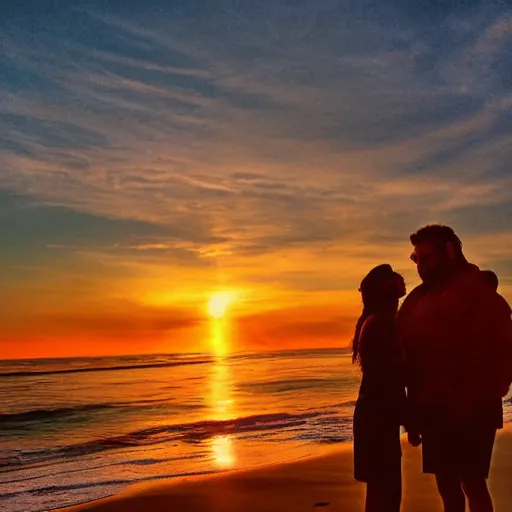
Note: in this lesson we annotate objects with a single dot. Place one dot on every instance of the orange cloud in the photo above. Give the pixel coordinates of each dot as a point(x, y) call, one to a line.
point(298, 327)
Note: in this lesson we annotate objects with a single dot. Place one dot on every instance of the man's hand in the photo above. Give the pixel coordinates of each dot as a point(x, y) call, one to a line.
point(414, 438)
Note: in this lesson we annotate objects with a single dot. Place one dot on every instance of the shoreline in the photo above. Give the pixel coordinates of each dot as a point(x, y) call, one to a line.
point(322, 481)
point(327, 451)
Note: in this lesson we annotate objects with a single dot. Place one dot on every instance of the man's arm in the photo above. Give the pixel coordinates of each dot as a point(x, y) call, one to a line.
point(484, 369)
point(503, 344)
point(405, 319)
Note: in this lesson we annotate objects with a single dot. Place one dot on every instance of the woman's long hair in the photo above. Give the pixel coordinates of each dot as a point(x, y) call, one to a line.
point(356, 356)
point(375, 297)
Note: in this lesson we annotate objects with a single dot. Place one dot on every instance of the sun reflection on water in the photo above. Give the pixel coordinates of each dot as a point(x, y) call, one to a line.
point(222, 405)
point(223, 452)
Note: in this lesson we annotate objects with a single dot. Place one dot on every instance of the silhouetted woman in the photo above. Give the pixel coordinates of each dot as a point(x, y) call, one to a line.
point(380, 407)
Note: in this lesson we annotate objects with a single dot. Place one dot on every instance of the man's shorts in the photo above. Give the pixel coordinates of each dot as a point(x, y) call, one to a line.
point(466, 452)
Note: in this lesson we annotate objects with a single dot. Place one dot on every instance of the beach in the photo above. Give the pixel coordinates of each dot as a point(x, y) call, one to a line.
point(78, 430)
point(323, 482)
point(98, 428)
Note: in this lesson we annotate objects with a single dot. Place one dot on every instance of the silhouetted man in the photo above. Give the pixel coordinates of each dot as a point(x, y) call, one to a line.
point(456, 333)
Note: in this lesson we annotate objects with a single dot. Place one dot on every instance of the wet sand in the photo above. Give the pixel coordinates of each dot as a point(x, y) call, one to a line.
point(323, 483)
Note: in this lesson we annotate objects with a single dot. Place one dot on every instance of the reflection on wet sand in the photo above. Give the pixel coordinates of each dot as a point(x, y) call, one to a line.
point(222, 405)
point(223, 452)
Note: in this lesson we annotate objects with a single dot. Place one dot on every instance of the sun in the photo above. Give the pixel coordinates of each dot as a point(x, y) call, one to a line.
point(218, 304)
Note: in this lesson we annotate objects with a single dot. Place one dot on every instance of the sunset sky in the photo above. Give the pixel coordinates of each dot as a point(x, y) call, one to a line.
point(155, 153)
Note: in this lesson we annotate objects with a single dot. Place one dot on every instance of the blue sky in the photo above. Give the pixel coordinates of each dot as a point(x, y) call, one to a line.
point(278, 147)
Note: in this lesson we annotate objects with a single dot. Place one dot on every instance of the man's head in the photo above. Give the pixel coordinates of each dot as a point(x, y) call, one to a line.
point(437, 250)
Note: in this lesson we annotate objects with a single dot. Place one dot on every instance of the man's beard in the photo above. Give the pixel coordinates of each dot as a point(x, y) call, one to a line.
point(428, 277)
point(435, 275)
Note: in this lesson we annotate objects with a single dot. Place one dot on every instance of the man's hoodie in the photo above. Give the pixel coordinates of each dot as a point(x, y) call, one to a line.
point(457, 343)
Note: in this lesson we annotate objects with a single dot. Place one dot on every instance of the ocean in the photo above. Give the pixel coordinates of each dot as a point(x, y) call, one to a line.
point(75, 430)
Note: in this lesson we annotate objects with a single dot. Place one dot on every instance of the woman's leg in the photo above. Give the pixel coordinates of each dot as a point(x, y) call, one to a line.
point(384, 495)
point(373, 497)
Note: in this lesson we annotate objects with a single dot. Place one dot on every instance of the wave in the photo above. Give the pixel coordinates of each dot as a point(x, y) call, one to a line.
point(193, 433)
point(289, 385)
point(52, 489)
point(102, 368)
point(157, 361)
point(10, 420)
point(49, 414)
point(291, 353)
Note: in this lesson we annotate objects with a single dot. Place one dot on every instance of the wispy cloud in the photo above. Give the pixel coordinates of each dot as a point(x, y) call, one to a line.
point(255, 142)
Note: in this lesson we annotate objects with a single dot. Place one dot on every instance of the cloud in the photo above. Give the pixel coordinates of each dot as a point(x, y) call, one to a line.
point(279, 145)
point(77, 328)
point(32, 231)
point(320, 326)
point(131, 320)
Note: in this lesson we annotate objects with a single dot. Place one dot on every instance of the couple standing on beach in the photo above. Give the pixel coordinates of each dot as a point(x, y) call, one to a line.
point(439, 366)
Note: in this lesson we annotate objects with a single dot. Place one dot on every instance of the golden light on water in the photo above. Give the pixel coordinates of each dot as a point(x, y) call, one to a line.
point(222, 405)
point(223, 452)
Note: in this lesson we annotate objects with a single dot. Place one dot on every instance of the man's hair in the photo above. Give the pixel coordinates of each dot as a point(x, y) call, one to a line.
point(438, 235)
point(491, 278)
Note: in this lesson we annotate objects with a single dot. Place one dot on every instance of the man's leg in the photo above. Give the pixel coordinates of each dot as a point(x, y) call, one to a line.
point(440, 454)
point(478, 495)
point(450, 489)
point(475, 468)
